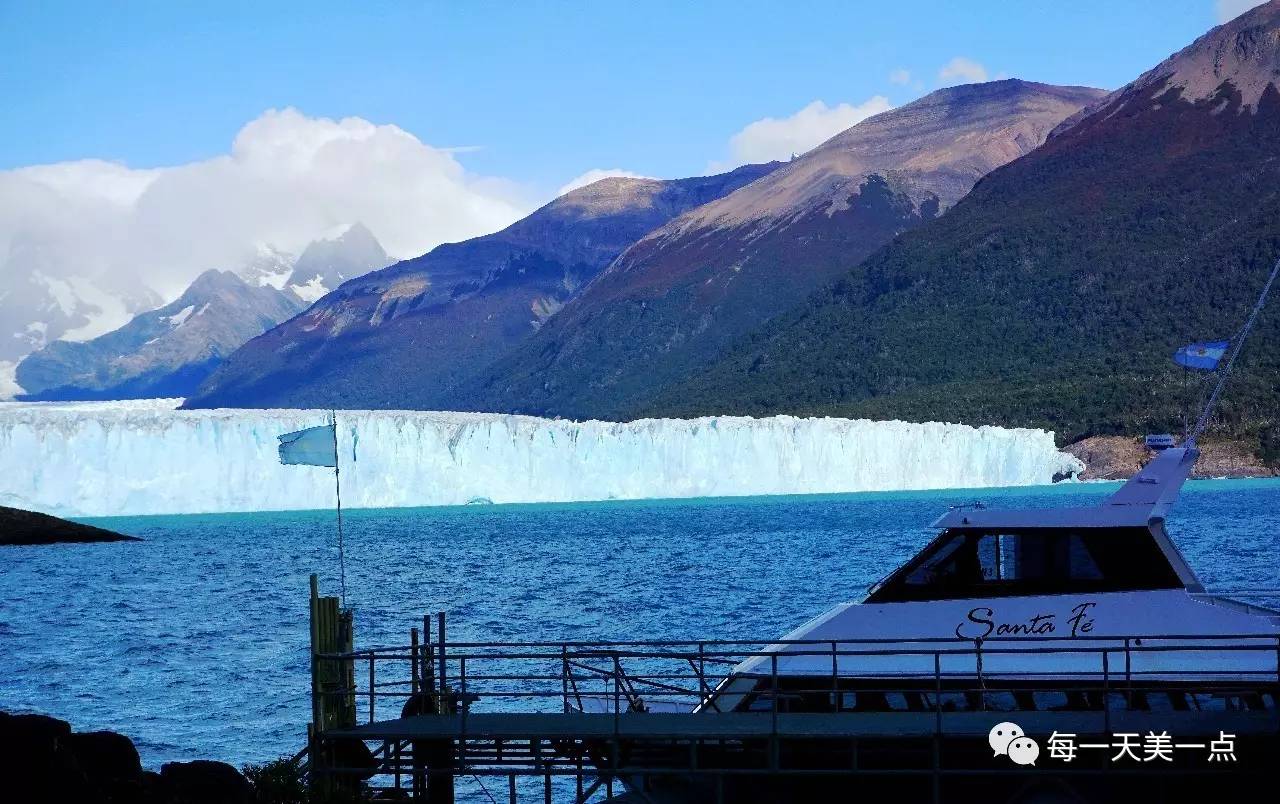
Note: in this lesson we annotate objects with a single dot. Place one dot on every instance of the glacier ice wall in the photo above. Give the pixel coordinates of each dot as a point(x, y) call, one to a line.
point(145, 457)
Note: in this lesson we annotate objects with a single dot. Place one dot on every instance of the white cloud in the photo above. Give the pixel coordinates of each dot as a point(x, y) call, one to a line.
point(109, 231)
point(900, 76)
point(778, 138)
point(9, 387)
point(594, 175)
point(1230, 9)
point(961, 70)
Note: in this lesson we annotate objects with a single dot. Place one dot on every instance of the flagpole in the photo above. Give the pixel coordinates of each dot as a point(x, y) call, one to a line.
point(1203, 421)
point(337, 491)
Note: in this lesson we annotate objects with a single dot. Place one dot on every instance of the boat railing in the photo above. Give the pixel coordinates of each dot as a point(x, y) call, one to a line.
point(547, 713)
point(674, 675)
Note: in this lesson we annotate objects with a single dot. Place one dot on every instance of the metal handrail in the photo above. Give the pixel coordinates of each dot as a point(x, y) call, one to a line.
point(523, 676)
point(962, 647)
point(666, 684)
point(610, 645)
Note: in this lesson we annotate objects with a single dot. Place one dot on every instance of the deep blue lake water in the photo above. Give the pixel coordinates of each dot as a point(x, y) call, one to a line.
point(194, 642)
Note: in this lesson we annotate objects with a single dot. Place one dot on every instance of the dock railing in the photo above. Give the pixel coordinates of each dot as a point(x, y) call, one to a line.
point(433, 691)
point(633, 675)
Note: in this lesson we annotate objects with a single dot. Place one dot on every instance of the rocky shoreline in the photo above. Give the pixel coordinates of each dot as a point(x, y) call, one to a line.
point(43, 760)
point(1120, 458)
point(19, 527)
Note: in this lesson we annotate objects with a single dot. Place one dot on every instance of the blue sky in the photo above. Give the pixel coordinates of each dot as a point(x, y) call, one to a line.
point(544, 91)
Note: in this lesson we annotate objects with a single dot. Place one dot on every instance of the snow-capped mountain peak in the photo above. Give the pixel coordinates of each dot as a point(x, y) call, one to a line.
point(330, 261)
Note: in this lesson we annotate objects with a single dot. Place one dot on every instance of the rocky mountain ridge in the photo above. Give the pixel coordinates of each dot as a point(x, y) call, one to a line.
point(169, 351)
point(685, 292)
point(1054, 294)
point(162, 353)
point(408, 335)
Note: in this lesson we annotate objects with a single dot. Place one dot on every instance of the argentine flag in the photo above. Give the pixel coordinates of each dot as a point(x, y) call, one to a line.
point(314, 446)
point(1201, 355)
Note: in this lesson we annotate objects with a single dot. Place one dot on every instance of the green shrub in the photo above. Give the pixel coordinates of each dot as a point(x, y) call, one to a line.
point(277, 782)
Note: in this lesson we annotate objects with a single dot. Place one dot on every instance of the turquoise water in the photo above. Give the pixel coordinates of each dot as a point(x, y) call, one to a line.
point(194, 642)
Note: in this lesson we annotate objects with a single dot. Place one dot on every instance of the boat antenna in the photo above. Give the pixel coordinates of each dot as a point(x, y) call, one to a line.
point(1237, 344)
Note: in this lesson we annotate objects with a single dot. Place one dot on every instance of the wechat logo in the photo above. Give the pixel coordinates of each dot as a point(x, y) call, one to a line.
point(1009, 739)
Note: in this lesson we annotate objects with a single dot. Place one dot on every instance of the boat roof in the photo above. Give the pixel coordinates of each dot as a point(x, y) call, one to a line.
point(1144, 500)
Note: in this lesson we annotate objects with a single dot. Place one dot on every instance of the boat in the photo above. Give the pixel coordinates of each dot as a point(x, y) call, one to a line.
point(1084, 623)
point(1041, 595)
point(1021, 655)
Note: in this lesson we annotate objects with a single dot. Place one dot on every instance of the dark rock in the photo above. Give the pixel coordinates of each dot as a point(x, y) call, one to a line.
point(32, 727)
point(110, 763)
point(203, 782)
point(34, 752)
point(28, 527)
point(151, 788)
point(43, 761)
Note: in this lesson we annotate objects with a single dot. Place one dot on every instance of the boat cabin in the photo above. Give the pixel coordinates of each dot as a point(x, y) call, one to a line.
point(1119, 546)
point(1030, 576)
point(989, 561)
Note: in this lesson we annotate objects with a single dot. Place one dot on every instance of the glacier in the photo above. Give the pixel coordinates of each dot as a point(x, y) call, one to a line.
point(147, 457)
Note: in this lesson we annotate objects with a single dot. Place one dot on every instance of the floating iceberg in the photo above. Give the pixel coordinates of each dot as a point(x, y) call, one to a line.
point(146, 457)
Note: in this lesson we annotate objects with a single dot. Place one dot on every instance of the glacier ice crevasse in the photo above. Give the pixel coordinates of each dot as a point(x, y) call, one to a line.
point(145, 457)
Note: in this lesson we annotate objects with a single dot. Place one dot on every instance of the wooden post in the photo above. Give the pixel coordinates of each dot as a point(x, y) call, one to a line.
point(333, 695)
point(440, 754)
point(316, 772)
point(372, 688)
point(564, 678)
point(428, 666)
point(420, 669)
point(317, 710)
point(425, 670)
point(440, 618)
point(413, 660)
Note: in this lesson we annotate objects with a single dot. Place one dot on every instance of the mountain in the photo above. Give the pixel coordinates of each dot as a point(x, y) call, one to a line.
point(170, 350)
point(161, 353)
point(39, 305)
point(406, 336)
point(328, 262)
point(679, 297)
point(1054, 294)
point(269, 265)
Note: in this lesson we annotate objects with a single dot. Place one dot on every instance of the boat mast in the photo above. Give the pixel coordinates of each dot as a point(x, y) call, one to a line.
point(1236, 345)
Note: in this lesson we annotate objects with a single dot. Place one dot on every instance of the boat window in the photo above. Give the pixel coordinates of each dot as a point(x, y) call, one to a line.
point(895, 702)
point(972, 563)
point(1050, 700)
point(1003, 701)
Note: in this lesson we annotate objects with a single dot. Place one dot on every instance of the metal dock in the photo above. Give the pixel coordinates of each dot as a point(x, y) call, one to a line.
point(581, 722)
